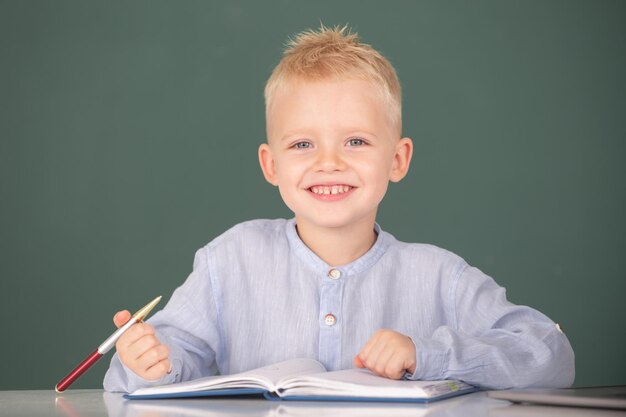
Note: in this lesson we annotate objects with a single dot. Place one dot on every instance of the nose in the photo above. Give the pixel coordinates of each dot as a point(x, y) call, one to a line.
point(329, 160)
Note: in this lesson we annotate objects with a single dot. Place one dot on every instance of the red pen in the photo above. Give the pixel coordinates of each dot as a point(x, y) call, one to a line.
point(104, 347)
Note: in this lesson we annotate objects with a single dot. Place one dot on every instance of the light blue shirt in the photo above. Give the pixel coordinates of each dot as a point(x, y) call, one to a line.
point(258, 295)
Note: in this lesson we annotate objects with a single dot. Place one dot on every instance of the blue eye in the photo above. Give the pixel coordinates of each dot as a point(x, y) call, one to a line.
point(302, 145)
point(356, 142)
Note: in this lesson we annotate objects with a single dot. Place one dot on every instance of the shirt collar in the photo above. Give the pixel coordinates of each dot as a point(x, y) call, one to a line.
point(357, 266)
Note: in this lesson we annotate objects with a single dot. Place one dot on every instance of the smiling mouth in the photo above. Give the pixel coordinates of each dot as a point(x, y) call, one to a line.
point(330, 189)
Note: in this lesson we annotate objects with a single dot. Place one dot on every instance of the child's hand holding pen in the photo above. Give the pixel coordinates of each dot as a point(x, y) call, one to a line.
point(124, 322)
point(140, 350)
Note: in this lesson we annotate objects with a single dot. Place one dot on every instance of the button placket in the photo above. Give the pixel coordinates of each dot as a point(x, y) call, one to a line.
point(331, 289)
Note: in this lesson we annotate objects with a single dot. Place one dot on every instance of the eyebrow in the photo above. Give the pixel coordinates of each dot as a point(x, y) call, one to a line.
point(289, 135)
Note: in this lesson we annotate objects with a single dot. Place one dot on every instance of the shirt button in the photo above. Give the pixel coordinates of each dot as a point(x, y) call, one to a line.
point(334, 274)
point(330, 320)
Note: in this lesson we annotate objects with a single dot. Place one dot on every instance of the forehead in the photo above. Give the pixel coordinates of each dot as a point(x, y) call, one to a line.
point(304, 104)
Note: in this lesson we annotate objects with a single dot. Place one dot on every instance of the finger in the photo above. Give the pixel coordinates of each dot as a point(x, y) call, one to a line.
point(157, 371)
point(130, 354)
point(142, 345)
point(365, 351)
point(382, 359)
point(121, 318)
point(134, 333)
point(395, 367)
point(373, 358)
point(152, 356)
point(358, 362)
point(410, 364)
point(411, 361)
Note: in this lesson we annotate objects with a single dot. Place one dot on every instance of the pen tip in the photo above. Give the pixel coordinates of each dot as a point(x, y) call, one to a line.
point(143, 312)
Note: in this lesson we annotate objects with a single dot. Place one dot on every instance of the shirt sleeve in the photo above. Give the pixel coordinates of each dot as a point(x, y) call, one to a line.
point(493, 343)
point(187, 326)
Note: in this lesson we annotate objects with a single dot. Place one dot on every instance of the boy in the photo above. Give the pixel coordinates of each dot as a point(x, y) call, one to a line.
point(330, 284)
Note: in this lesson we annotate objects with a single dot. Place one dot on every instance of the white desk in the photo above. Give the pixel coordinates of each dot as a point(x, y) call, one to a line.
point(96, 403)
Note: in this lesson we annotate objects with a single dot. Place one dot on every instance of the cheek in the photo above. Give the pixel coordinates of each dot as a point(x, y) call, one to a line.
point(290, 172)
point(288, 178)
point(288, 197)
point(378, 176)
point(377, 169)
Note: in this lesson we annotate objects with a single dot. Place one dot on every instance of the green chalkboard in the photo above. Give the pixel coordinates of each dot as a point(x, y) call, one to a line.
point(129, 131)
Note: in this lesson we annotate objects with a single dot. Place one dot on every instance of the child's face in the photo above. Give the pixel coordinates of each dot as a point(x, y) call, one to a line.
point(332, 151)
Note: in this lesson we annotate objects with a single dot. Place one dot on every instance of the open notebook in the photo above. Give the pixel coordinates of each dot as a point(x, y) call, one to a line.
point(307, 379)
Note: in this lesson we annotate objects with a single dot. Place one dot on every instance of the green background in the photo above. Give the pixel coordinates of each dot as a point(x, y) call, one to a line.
point(129, 131)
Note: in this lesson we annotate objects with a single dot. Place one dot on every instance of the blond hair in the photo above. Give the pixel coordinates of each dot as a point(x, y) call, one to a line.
point(336, 53)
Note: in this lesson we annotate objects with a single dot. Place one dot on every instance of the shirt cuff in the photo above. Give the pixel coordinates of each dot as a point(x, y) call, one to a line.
point(431, 360)
point(135, 381)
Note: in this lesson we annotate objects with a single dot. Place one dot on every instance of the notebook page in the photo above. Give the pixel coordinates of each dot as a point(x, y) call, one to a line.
point(363, 383)
point(265, 378)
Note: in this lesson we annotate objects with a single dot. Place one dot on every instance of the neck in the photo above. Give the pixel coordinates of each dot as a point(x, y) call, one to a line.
point(340, 245)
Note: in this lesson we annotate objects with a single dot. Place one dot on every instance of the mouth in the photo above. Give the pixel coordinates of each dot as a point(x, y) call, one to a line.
point(330, 189)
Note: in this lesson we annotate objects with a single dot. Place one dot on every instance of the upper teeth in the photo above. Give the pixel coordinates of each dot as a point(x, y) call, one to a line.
point(335, 189)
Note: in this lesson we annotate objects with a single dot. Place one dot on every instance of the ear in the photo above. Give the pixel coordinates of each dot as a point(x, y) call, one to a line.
point(268, 166)
point(401, 159)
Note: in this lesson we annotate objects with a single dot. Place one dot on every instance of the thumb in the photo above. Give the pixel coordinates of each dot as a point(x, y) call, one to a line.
point(121, 318)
